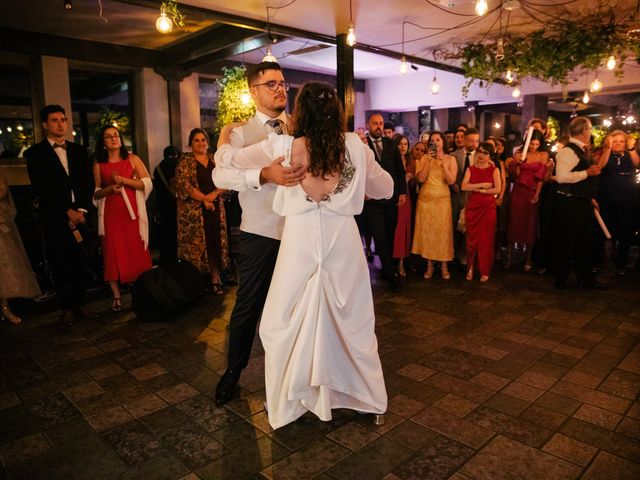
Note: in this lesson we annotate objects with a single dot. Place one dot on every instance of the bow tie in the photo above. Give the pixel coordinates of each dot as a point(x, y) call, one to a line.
point(62, 145)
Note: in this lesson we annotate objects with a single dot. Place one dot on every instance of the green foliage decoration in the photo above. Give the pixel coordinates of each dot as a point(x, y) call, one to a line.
point(231, 88)
point(553, 129)
point(171, 9)
point(552, 53)
point(599, 132)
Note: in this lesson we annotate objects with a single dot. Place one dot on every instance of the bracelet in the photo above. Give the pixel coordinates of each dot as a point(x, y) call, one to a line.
point(483, 190)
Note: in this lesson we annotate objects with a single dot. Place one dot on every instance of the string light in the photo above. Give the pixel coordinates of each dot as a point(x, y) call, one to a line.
point(585, 97)
point(606, 122)
point(164, 23)
point(351, 31)
point(509, 76)
point(403, 65)
point(611, 63)
point(481, 7)
point(9, 129)
point(496, 125)
point(435, 86)
point(596, 86)
point(74, 133)
point(269, 57)
point(20, 127)
point(500, 50)
point(245, 98)
point(516, 92)
point(1, 131)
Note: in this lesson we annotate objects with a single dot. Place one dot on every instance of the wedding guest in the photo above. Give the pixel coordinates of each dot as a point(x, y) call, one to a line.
point(17, 279)
point(389, 130)
point(202, 225)
point(483, 181)
point(522, 227)
point(576, 175)
point(60, 174)
point(616, 195)
point(433, 235)
point(402, 238)
point(122, 186)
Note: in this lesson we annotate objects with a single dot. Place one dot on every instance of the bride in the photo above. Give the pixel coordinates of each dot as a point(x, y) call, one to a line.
point(317, 325)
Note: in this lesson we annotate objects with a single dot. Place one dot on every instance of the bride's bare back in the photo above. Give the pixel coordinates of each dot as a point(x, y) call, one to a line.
point(317, 188)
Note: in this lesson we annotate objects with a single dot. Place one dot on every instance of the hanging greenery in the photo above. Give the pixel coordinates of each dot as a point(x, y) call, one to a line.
point(170, 7)
point(234, 102)
point(551, 53)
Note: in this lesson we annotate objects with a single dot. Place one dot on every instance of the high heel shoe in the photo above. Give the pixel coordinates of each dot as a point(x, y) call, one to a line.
point(528, 267)
point(116, 305)
point(429, 273)
point(10, 317)
point(484, 278)
point(470, 274)
point(445, 274)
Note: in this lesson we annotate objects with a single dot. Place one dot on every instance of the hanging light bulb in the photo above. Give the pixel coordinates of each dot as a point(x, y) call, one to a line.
point(481, 7)
point(596, 86)
point(611, 63)
point(500, 49)
point(585, 97)
point(351, 35)
point(20, 127)
point(509, 76)
point(435, 86)
point(269, 57)
point(0, 131)
point(9, 129)
point(516, 92)
point(245, 98)
point(164, 23)
point(403, 65)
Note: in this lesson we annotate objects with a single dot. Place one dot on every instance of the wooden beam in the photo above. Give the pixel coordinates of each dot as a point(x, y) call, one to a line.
point(33, 43)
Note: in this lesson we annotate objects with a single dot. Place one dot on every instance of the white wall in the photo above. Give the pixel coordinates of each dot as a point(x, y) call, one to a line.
point(407, 92)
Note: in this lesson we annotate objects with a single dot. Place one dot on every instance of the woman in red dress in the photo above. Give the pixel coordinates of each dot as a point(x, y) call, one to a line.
point(522, 227)
point(122, 224)
point(402, 239)
point(483, 181)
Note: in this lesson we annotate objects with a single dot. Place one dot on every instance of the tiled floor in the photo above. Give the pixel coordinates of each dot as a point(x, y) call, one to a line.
point(505, 380)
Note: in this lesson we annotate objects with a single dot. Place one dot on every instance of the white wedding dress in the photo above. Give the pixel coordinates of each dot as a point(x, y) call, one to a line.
point(317, 326)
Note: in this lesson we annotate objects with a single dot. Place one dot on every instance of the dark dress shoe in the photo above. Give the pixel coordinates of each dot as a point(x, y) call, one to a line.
point(226, 387)
point(86, 312)
point(593, 285)
point(68, 317)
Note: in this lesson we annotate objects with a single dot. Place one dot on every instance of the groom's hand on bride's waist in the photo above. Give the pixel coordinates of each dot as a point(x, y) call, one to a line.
point(277, 173)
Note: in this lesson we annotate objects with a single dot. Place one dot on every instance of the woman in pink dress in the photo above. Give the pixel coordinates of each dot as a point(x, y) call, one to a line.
point(122, 183)
point(402, 239)
point(522, 227)
point(483, 182)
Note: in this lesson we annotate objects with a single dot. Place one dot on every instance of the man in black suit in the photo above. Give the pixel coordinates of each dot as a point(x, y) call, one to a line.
point(380, 216)
point(61, 176)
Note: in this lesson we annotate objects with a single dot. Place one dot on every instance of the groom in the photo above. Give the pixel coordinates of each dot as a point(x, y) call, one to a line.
point(261, 228)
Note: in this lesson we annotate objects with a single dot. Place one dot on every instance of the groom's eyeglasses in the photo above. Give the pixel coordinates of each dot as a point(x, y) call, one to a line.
point(273, 85)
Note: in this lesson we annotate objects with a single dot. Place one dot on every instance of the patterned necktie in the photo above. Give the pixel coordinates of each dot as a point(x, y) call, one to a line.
point(62, 145)
point(378, 146)
point(276, 125)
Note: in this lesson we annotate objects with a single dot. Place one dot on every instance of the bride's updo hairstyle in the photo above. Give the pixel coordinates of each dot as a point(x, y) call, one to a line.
point(318, 116)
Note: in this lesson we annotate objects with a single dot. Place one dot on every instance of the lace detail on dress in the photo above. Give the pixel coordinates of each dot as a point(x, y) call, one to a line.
point(348, 171)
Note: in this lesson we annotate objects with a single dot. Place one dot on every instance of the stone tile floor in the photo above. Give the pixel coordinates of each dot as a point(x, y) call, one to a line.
point(505, 380)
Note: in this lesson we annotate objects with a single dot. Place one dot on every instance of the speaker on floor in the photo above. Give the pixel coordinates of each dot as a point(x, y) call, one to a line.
point(160, 292)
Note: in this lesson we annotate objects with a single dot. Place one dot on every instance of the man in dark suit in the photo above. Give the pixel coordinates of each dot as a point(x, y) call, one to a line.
point(380, 216)
point(61, 176)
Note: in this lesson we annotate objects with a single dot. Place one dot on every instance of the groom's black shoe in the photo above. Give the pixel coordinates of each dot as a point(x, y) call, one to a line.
point(226, 387)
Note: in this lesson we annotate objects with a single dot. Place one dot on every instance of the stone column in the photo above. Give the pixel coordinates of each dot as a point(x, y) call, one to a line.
point(49, 83)
point(534, 106)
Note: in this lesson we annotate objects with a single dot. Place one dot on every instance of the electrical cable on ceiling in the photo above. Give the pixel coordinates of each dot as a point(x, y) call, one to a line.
point(449, 11)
